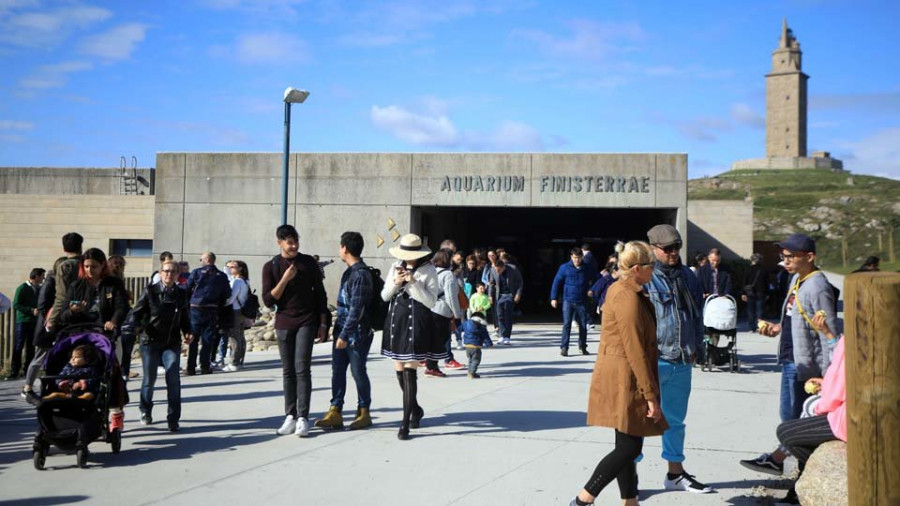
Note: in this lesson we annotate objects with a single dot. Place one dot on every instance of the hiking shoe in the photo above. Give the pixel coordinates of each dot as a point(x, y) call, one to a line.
point(302, 427)
point(146, 419)
point(363, 419)
point(31, 397)
point(437, 373)
point(288, 427)
point(563, 352)
point(453, 364)
point(764, 464)
point(331, 420)
point(685, 481)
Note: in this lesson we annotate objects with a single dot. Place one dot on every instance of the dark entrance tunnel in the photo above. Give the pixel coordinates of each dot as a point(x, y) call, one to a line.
point(539, 238)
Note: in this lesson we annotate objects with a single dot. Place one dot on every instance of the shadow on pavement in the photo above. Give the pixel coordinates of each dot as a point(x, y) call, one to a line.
point(504, 421)
point(42, 501)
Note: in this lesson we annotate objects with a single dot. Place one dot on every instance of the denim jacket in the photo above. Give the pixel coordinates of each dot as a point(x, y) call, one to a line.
point(678, 333)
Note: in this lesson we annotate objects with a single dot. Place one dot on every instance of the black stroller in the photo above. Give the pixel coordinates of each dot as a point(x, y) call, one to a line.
point(71, 423)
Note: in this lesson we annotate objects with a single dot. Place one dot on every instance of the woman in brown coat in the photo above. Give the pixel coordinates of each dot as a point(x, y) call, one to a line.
point(625, 386)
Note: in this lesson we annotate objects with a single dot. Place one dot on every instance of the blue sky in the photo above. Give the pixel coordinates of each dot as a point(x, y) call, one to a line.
point(85, 83)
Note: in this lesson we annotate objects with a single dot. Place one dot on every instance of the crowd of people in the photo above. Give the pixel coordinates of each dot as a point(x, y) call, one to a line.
point(649, 306)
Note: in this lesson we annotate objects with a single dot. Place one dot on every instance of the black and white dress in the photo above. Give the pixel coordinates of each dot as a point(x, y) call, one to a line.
point(408, 329)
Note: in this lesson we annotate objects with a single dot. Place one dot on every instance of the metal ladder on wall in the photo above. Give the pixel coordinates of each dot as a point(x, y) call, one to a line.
point(128, 181)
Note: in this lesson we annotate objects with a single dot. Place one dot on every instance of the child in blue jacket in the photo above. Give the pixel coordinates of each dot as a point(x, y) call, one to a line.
point(475, 337)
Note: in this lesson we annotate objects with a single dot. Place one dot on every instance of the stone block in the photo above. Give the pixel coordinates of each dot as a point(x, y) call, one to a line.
point(352, 178)
point(824, 480)
point(231, 178)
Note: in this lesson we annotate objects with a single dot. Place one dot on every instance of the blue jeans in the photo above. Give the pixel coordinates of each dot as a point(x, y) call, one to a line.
point(354, 355)
point(152, 355)
point(792, 393)
point(23, 341)
point(675, 390)
point(754, 310)
point(505, 308)
point(204, 326)
point(578, 310)
point(128, 339)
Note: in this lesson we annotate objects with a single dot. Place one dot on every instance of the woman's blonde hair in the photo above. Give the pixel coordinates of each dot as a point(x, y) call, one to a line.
point(631, 254)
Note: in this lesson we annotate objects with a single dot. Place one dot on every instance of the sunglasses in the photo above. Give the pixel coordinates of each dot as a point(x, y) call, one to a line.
point(672, 248)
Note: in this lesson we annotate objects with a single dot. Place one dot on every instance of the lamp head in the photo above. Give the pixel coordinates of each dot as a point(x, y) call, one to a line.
point(295, 96)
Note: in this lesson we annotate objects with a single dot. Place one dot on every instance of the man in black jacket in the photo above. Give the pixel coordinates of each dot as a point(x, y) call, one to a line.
point(713, 278)
point(163, 311)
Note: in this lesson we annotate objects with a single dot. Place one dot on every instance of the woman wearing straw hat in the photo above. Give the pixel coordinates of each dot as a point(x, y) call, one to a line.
point(412, 289)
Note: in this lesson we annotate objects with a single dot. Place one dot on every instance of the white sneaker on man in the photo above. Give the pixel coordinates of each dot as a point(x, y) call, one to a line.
point(686, 482)
point(302, 427)
point(288, 427)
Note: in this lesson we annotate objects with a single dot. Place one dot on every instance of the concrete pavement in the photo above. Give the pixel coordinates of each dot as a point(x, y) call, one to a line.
point(517, 436)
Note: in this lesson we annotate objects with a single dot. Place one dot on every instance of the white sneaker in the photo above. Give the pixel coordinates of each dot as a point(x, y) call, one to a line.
point(302, 427)
point(459, 346)
point(231, 368)
point(505, 341)
point(686, 482)
point(288, 426)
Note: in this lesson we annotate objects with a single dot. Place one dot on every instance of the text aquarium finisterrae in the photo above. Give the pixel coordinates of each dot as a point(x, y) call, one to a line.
point(551, 184)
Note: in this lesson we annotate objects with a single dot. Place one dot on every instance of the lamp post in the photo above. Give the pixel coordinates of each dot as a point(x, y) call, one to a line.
point(291, 96)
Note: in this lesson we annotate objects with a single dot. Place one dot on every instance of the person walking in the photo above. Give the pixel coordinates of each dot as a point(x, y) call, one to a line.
point(677, 299)
point(625, 391)
point(25, 304)
point(164, 312)
point(412, 289)
point(445, 311)
point(572, 282)
point(755, 291)
point(66, 273)
point(506, 289)
point(292, 284)
point(209, 290)
point(714, 279)
point(240, 291)
point(352, 336)
point(43, 339)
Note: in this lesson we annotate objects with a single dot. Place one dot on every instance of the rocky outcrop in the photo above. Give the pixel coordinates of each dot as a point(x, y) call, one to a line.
point(824, 480)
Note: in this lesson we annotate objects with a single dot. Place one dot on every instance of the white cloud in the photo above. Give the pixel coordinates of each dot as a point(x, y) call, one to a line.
point(7, 124)
point(52, 76)
point(877, 154)
point(271, 48)
point(743, 114)
point(45, 29)
point(588, 40)
point(438, 131)
point(115, 44)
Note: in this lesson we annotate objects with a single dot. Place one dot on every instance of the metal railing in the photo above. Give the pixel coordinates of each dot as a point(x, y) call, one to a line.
point(135, 286)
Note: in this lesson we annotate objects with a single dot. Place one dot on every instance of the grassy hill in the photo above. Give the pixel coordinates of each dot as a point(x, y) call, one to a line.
point(850, 216)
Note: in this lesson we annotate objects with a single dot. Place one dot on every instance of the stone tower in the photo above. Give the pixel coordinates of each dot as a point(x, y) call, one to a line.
point(786, 99)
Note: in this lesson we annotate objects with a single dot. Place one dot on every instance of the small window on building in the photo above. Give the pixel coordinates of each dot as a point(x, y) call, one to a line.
point(131, 247)
point(788, 129)
point(787, 97)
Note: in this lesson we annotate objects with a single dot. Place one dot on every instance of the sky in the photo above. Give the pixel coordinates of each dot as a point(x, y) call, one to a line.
point(85, 83)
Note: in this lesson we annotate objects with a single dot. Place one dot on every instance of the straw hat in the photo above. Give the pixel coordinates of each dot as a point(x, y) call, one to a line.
point(410, 248)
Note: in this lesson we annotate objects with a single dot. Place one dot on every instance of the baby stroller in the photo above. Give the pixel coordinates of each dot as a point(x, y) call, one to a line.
point(71, 423)
point(719, 345)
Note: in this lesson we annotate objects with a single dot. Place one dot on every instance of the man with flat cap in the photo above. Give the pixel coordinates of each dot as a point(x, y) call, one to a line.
point(678, 299)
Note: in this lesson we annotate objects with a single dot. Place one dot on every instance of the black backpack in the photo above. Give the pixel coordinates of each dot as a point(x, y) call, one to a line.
point(376, 309)
point(250, 309)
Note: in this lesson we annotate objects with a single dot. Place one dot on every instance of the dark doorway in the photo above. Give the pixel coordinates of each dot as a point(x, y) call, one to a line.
point(539, 238)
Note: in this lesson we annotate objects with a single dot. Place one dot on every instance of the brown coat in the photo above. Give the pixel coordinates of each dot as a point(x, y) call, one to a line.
point(625, 374)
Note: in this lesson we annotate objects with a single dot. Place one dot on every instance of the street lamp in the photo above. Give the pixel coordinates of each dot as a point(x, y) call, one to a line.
point(291, 96)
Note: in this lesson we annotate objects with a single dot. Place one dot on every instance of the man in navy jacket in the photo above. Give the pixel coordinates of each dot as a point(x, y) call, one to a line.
point(573, 278)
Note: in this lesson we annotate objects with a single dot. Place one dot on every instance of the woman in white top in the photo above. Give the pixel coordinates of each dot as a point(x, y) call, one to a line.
point(239, 291)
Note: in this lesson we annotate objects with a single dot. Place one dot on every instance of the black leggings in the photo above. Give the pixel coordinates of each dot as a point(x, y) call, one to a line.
point(619, 465)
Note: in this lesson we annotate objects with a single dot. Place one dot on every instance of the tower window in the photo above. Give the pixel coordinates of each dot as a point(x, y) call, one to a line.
point(787, 97)
point(788, 129)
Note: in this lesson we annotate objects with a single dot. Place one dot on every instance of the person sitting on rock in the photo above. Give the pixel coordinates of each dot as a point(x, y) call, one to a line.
point(81, 375)
point(802, 436)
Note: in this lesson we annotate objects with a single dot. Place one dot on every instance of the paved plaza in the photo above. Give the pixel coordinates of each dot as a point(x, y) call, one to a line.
point(517, 436)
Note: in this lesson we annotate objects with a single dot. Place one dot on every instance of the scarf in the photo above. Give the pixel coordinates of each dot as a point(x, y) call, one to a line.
point(675, 275)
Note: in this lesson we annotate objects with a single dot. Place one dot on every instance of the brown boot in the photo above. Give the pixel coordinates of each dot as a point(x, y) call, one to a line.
point(331, 420)
point(363, 419)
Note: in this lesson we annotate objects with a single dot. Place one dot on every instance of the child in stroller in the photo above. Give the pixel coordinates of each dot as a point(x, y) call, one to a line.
point(83, 375)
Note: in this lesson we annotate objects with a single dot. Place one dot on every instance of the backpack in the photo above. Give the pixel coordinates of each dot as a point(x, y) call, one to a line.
point(250, 309)
point(377, 309)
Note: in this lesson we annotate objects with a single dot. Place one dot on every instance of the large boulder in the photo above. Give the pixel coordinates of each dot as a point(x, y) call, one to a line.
point(824, 480)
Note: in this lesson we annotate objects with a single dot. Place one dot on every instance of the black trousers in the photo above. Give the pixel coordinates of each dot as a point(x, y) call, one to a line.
point(618, 465)
point(295, 347)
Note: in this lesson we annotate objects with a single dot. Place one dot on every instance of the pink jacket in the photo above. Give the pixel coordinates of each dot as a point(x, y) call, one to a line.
point(834, 394)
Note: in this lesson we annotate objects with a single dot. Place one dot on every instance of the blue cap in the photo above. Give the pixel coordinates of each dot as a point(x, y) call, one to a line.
point(798, 242)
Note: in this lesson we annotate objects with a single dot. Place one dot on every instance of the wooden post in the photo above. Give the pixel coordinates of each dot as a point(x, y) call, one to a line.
point(872, 330)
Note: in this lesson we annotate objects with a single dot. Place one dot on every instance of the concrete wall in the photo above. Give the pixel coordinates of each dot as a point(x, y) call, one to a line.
point(723, 224)
point(80, 181)
point(230, 203)
point(31, 228)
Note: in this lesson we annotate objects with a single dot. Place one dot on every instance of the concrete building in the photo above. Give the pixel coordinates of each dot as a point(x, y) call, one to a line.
point(786, 113)
point(538, 206)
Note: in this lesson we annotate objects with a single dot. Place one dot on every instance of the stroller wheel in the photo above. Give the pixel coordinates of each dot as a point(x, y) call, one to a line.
point(115, 440)
point(82, 456)
point(40, 457)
